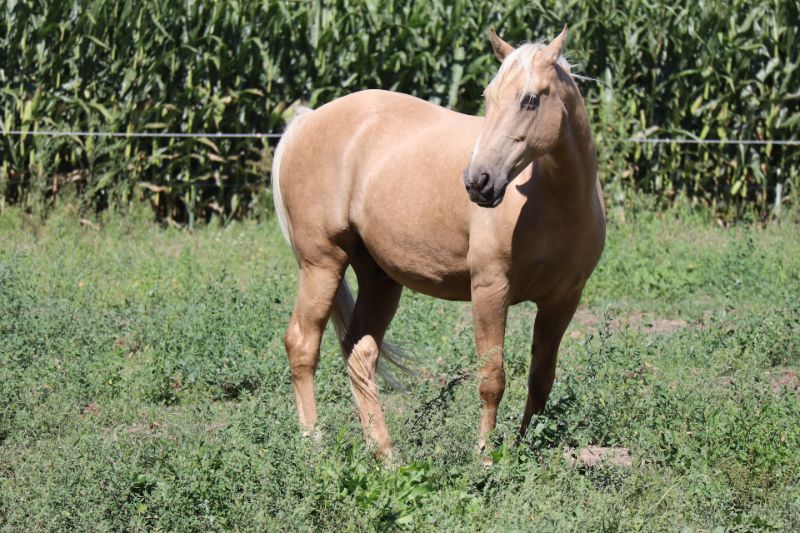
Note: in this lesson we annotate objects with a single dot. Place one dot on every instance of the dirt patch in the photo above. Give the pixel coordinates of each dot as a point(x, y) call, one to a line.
point(647, 323)
point(585, 318)
point(585, 322)
point(144, 428)
point(665, 325)
point(786, 379)
point(593, 456)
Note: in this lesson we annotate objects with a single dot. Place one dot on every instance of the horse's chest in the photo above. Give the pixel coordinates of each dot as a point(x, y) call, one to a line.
point(547, 266)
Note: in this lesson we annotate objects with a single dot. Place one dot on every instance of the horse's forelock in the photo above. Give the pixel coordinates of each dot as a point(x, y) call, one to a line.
point(519, 61)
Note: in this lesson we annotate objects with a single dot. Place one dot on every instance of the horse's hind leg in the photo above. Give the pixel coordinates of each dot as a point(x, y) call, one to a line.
point(318, 283)
point(376, 304)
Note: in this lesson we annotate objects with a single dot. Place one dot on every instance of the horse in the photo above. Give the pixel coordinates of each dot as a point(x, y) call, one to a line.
point(495, 210)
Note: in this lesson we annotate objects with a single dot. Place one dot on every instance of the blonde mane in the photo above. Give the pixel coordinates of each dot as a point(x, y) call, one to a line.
point(520, 61)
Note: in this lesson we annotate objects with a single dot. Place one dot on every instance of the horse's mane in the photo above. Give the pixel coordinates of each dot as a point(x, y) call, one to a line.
point(520, 60)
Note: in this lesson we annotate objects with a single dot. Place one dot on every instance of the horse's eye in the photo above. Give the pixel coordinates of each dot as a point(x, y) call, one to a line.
point(529, 102)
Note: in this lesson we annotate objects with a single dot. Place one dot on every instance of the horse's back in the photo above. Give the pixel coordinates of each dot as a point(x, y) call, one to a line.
point(350, 133)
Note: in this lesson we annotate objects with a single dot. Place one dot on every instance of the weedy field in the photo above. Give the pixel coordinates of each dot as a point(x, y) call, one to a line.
point(143, 386)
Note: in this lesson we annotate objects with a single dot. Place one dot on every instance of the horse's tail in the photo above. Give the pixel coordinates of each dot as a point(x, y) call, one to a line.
point(341, 315)
point(280, 208)
point(343, 303)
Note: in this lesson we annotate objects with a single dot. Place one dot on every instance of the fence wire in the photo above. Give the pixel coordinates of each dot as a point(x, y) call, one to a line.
point(272, 135)
point(141, 134)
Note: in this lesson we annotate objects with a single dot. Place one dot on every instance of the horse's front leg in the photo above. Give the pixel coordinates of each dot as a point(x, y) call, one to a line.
point(552, 319)
point(489, 311)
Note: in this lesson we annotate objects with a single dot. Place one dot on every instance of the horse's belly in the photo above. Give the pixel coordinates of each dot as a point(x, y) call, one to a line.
point(438, 271)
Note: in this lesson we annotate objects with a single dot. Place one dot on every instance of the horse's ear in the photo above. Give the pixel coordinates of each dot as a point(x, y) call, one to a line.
point(501, 48)
point(553, 50)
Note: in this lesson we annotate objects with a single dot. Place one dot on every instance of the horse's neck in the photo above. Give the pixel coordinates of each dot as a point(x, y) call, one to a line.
point(571, 168)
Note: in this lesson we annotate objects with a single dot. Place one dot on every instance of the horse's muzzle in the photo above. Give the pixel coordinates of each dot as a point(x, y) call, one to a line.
point(491, 204)
point(482, 190)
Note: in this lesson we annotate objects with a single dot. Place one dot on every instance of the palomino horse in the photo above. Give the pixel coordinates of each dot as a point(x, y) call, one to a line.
point(376, 180)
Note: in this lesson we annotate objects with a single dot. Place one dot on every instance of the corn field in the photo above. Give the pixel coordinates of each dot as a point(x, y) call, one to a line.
point(689, 69)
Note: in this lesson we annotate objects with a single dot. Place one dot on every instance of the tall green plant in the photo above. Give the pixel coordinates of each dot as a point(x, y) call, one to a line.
point(706, 68)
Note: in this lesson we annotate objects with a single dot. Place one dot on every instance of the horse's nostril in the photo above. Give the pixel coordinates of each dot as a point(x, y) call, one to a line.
point(483, 180)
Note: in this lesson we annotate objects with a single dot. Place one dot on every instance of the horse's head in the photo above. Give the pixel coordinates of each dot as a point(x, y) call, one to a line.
point(524, 116)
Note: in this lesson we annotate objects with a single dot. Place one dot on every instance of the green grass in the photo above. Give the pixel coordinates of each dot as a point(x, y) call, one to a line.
point(143, 386)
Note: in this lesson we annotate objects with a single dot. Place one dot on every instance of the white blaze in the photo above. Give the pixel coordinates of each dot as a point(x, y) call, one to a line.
point(475, 150)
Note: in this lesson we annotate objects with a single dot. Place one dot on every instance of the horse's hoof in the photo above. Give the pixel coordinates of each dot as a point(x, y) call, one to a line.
point(314, 435)
point(388, 458)
point(484, 453)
